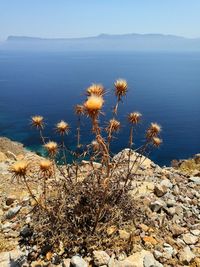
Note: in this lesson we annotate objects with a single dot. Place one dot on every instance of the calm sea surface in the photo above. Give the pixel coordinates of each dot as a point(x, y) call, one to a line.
point(164, 87)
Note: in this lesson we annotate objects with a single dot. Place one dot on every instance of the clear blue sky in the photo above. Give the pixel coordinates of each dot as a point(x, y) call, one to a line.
point(74, 18)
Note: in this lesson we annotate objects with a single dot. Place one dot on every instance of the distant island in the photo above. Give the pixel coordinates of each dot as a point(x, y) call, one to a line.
point(105, 42)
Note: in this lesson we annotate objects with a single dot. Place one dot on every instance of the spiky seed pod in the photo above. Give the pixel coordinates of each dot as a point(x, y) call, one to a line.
point(121, 88)
point(134, 117)
point(46, 167)
point(52, 148)
point(62, 127)
point(113, 126)
point(156, 141)
point(95, 145)
point(37, 121)
point(153, 130)
point(93, 105)
point(20, 168)
point(79, 110)
point(95, 89)
point(156, 128)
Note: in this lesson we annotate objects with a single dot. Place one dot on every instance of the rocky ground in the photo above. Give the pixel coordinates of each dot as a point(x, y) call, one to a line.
point(167, 235)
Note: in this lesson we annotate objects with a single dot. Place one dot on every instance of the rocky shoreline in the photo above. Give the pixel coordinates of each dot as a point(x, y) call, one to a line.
point(167, 235)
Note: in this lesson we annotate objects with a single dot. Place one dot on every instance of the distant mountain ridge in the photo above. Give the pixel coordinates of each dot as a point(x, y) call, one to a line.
point(102, 35)
point(130, 42)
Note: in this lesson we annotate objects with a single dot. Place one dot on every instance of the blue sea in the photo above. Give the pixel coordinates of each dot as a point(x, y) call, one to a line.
point(164, 87)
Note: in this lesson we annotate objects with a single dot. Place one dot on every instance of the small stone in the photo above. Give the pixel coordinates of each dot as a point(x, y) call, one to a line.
point(12, 212)
point(157, 205)
point(171, 203)
point(100, 257)
point(77, 261)
point(195, 232)
point(123, 234)
point(160, 190)
point(26, 231)
point(177, 230)
point(121, 256)
point(12, 258)
point(169, 249)
point(141, 259)
point(66, 263)
point(195, 180)
point(176, 190)
point(166, 183)
point(150, 239)
point(6, 226)
point(171, 211)
point(10, 200)
point(157, 254)
point(190, 239)
point(149, 261)
point(186, 255)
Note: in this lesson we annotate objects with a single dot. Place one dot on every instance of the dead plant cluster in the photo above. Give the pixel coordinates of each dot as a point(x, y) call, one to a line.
point(81, 207)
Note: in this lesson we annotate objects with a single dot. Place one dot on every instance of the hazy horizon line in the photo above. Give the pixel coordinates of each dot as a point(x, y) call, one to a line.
point(96, 35)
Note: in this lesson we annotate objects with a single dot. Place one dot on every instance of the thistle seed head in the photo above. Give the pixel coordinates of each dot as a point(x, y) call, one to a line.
point(52, 148)
point(153, 130)
point(156, 141)
point(95, 89)
point(20, 168)
point(113, 126)
point(46, 167)
point(93, 105)
point(121, 88)
point(79, 110)
point(62, 127)
point(37, 121)
point(134, 117)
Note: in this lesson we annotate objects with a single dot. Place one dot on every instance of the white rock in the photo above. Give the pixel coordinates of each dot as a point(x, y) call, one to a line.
point(149, 261)
point(195, 232)
point(141, 259)
point(190, 239)
point(166, 183)
point(100, 257)
point(77, 261)
point(186, 255)
point(160, 190)
point(12, 212)
point(195, 180)
point(168, 248)
point(157, 205)
point(66, 262)
point(12, 258)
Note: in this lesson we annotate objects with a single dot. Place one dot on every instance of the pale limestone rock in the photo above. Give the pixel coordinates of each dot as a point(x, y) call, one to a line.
point(77, 261)
point(186, 255)
point(190, 239)
point(100, 257)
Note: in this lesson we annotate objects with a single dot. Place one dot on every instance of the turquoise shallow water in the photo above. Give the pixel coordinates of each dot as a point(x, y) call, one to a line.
point(164, 87)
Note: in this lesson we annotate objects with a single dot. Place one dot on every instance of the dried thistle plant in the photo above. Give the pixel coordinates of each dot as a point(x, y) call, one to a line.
point(62, 127)
point(37, 122)
point(52, 148)
point(121, 88)
point(95, 89)
point(86, 201)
